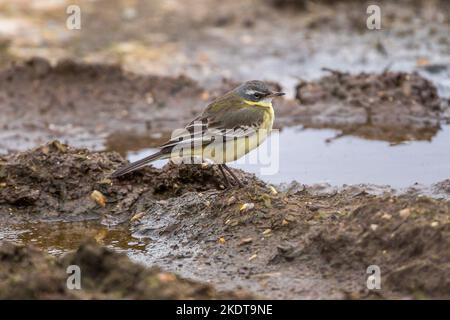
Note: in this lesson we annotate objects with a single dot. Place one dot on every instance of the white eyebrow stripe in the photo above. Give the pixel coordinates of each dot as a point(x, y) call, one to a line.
point(249, 92)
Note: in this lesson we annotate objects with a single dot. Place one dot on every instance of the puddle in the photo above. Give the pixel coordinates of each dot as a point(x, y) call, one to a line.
point(308, 156)
point(59, 237)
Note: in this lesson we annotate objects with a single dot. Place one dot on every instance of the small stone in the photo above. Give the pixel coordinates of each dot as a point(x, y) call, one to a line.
point(166, 277)
point(284, 222)
point(231, 200)
point(267, 232)
point(253, 257)
point(205, 165)
point(386, 216)
point(137, 216)
point(434, 224)
point(374, 227)
point(246, 207)
point(290, 218)
point(405, 213)
point(105, 181)
point(273, 190)
point(245, 241)
point(99, 198)
point(221, 240)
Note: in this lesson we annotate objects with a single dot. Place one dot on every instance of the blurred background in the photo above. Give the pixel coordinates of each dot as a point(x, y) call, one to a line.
point(114, 82)
point(278, 40)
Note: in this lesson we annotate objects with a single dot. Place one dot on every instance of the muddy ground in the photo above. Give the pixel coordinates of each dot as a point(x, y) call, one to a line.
point(127, 89)
point(299, 242)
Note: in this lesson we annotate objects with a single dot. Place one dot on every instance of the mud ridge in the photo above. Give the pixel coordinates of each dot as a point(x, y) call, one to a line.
point(391, 106)
point(27, 273)
point(55, 182)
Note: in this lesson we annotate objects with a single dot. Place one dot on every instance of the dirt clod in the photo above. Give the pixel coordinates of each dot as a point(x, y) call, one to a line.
point(392, 106)
point(56, 182)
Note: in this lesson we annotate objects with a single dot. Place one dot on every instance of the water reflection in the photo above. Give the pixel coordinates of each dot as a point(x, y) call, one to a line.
point(59, 237)
point(313, 156)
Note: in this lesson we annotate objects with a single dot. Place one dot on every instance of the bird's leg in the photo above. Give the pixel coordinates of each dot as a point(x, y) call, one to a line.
point(233, 175)
point(227, 182)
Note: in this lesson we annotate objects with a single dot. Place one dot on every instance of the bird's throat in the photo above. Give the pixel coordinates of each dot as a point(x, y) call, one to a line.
point(263, 103)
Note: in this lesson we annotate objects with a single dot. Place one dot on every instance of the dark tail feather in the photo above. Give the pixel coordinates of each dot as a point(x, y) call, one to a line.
point(136, 165)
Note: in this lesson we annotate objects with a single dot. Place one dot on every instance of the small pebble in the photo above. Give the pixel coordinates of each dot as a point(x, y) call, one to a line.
point(245, 241)
point(137, 216)
point(273, 190)
point(386, 216)
point(99, 198)
point(253, 257)
point(246, 207)
point(405, 213)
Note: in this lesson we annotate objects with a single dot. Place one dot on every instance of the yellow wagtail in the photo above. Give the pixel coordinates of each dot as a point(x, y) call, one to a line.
point(230, 127)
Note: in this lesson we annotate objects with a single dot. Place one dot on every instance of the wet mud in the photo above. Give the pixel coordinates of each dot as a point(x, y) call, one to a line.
point(54, 182)
point(83, 104)
point(295, 242)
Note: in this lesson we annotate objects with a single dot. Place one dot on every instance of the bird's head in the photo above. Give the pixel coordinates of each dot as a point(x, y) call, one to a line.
point(256, 93)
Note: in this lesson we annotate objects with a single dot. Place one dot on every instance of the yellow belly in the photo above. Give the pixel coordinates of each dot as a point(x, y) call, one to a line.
point(237, 148)
point(230, 150)
point(233, 149)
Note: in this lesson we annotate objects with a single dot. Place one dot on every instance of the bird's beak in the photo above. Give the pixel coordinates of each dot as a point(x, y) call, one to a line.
point(277, 94)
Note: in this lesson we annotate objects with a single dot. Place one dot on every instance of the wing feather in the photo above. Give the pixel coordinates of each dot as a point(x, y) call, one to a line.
point(225, 119)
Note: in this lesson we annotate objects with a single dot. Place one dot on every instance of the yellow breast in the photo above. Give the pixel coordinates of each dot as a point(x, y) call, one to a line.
point(269, 114)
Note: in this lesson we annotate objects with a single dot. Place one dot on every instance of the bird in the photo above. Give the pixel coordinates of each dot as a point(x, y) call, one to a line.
point(229, 127)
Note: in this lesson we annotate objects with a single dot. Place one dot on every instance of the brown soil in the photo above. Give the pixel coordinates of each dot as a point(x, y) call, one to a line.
point(301, 242)
point(54, 182)
point(28, 273)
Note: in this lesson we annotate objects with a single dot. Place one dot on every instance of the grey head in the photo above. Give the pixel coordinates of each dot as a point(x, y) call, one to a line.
point(255, 91)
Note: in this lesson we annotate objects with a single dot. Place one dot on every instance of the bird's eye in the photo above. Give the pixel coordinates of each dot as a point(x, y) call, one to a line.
point(257, 95)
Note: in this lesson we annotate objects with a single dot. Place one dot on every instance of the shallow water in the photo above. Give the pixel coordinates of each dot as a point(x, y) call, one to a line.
point(58, 238)
point(307, 156)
